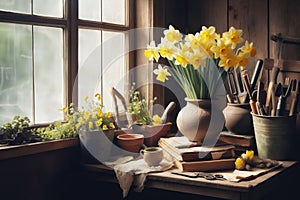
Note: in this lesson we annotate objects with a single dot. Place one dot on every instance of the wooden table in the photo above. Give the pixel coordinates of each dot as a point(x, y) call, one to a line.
point(278, 183)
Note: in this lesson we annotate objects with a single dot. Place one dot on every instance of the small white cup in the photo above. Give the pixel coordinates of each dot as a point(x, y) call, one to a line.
point(152, 155)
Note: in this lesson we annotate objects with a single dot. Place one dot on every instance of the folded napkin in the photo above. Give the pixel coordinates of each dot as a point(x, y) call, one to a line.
point(130, 170)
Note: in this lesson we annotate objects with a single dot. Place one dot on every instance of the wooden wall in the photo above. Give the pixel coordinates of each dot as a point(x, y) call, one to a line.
point(259, 19)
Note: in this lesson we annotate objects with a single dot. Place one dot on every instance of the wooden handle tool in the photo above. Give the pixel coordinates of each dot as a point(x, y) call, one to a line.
point(247, 87)
point(259, 106)
point(294, 95)
point(273, 81)
point(255, 76)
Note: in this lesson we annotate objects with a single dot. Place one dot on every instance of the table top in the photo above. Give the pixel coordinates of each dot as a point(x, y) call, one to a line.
point(250, 189)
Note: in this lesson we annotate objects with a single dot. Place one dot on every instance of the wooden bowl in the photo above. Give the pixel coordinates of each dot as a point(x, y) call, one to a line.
point(130, 142)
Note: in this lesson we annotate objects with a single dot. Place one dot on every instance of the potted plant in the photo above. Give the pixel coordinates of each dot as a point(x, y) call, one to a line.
point(95, 128)
point(199, 63)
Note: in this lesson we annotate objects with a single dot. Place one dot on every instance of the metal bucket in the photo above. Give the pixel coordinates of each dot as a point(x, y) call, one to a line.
point(275, 136)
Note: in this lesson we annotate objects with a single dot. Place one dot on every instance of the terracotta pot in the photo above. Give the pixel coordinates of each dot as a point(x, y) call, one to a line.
point(130, 142)
point(238, 119)
point(152, 134)
point(201, 121)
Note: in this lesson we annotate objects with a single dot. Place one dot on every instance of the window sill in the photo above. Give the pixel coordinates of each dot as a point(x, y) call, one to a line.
point(7, 152)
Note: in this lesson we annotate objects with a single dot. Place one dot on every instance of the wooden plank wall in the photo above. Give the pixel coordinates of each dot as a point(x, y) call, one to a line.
point(259, 19)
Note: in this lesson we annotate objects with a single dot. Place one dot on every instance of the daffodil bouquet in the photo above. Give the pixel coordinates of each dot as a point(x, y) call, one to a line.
point(92, 116)
point(199, 62)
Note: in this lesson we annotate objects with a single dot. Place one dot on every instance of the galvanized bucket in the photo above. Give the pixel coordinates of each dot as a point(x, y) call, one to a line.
point(275, 136)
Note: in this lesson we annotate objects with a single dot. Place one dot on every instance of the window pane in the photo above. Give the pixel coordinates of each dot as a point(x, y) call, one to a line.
point(89, 75)
point(48, 73)
point(15, 71)
point(90, 9)
point(113, 65)
point(19, 6)
point(52, 8)
point(113, 11)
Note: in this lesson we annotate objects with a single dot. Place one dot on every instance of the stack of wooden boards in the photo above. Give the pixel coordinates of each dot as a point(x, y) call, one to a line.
point(188, 156)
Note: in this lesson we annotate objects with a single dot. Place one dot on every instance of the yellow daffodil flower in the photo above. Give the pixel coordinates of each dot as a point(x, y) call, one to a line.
point(197, 59)
point(241, 61)
point(240, 163)
point(220, 49)
point(156, 120)
point(152, 52)
point(98, 96)
point(86, 115)
point(233, 37)
point(162, 73)
point(104, 127)
point(208, 35)
point(91, 125)
point(167, 50)
point(172, 35)
point(180, 60)
point(227, 61)
point(249, 49)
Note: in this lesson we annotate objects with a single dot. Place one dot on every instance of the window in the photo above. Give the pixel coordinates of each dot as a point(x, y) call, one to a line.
point(51, 56)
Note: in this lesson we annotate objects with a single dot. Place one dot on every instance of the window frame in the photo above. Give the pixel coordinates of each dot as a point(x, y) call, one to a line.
point(70, 23)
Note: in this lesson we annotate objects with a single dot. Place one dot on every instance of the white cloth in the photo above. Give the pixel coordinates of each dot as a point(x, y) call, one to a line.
point(131, 171)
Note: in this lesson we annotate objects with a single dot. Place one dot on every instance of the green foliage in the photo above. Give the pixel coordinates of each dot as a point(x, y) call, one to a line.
point(140, 108)
point(59, 129)
point(17, 132)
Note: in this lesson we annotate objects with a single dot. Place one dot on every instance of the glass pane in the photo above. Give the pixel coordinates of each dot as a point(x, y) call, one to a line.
point(19, 6)
point(113, 11)
point(15, 71)
point(52, 8)
point(114, 56)
point(89, 75)
point(48, 73)
point(90, 9)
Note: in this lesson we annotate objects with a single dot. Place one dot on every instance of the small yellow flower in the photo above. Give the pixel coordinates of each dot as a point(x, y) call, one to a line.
point(80, 120)
point(240, 163)
point(167, 49)
point(94, 116)
point(250, 154)
point(180, 60)
point(98, 96)
point(99, 122)
point(86, 98)
point(86, 115)
point(156, 120)
point(111, 125)
point(104, 127)
point(91, 125)
point(78, 125)
point(172, 35)
point(162, 73)
point(64, 109)
point(220, 49)
point(152, 52)
point(108, 115)
point(100, 113)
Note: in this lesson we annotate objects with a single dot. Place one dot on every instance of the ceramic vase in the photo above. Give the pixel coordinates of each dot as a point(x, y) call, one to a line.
point(238, 118)
point(201, 121)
